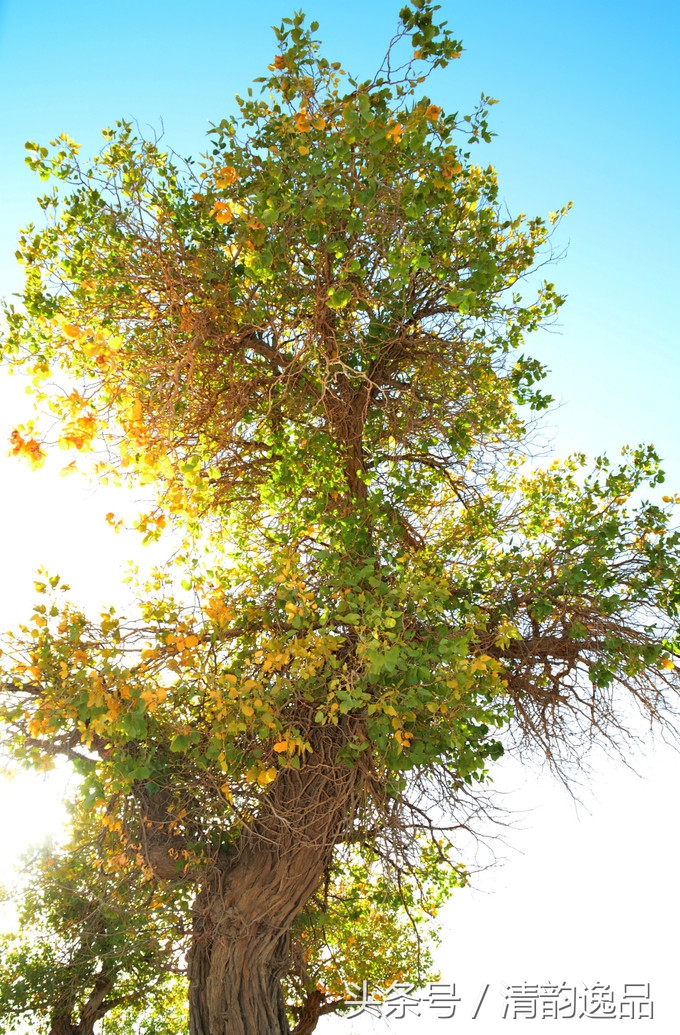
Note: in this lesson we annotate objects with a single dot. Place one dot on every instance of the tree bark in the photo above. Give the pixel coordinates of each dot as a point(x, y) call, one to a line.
point(62, 1025)
point(243, 913)
point(310, 1013)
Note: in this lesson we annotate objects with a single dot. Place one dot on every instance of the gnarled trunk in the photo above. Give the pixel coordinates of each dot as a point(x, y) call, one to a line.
point(244, 912)
point(238, 959)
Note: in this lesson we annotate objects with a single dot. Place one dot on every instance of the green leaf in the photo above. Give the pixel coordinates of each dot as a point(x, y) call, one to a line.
point(338, 297)
point(180, 743)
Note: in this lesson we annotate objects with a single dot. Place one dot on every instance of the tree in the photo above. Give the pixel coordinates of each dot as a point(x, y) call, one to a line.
point(308, 348)
point(94, 941)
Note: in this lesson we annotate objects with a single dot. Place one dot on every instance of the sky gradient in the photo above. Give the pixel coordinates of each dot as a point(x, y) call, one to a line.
point(588, 113)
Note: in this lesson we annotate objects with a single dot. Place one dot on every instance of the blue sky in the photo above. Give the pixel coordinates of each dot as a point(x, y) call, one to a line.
point(588, 112)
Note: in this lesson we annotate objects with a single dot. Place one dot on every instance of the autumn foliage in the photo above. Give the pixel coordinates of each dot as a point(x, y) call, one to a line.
point(309, 349)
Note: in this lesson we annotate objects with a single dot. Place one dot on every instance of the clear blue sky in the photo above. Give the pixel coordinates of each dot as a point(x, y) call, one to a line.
point(589, 97)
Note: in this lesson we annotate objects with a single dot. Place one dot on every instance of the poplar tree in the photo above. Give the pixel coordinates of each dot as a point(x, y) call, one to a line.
point(308, 348)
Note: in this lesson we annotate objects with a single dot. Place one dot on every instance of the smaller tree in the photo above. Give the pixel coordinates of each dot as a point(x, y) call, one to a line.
point(96, 942)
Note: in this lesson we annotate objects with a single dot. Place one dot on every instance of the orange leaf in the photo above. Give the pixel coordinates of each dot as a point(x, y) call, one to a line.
point(302, 123)
point(222, 212)
point(226, 177)
point(30, 449)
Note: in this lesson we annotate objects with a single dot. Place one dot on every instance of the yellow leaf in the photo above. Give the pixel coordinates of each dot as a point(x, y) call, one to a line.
point(302, 123)
point(281, 745)
point(451, 167)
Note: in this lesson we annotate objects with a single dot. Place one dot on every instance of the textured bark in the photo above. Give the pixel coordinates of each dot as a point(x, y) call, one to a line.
point(243, 914)
point(309, 1015)
point(162, 846)
point(63, 1025)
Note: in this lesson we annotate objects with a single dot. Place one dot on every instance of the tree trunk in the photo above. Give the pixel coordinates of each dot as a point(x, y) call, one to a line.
point(62, 1025)
point(244, 912)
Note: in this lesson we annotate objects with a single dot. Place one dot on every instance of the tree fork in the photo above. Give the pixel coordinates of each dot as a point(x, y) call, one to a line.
point(93, 1010)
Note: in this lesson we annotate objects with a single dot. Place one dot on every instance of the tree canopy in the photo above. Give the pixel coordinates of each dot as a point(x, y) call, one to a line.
point(308, 348)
